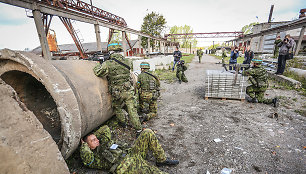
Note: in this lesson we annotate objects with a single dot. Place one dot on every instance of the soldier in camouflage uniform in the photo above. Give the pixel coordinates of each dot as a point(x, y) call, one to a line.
point(200, 54)
point(117, 72)
point(180, 71)
point(148, 89)
point(259, 80)
point(99, 151)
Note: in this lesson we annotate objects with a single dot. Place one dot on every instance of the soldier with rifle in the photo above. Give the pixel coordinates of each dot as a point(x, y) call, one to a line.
point(148, 89)
point(259, 83)
point(117, 71)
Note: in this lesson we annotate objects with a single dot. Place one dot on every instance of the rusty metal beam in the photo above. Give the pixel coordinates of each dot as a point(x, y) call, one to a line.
point(73, 14)
point(69, 27)
point(203, 35)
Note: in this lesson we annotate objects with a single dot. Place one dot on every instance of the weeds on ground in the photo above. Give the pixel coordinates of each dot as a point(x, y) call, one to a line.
point(301, 112)
point(296, 63)
point(167, 74)
point(226, 60)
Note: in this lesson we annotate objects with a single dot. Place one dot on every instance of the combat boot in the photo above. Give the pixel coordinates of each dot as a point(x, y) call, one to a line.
point(254, 100)
point(143, 117)
point(167, 162)
point(180, 81)
point(275, 102)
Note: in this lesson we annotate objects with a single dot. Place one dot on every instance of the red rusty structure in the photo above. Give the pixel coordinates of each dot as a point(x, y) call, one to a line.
point(204, 35)
point(85, 9)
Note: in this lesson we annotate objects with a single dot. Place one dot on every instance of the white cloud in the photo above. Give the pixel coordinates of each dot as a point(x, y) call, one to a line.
point(202, 16)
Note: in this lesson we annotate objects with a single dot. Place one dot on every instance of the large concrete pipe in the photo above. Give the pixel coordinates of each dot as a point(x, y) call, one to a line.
point(66, 97)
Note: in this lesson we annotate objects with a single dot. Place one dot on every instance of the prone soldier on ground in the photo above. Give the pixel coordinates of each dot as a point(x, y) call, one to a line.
point(99, 151)
point(120, 86)
point(148, 89)
point(180, 69)
point(259, 83)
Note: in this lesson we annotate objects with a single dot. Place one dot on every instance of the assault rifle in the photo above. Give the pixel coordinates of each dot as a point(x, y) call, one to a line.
point(100, 57)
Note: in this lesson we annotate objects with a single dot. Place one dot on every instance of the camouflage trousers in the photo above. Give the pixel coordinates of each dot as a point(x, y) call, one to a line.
point(181, 76)
point(200, 57)
point(258, 93)
point(148, 104)
point(127, 98)
point(135, 162)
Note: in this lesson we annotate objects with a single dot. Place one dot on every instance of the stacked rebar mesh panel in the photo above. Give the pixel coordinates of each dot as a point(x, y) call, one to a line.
point(222, 84)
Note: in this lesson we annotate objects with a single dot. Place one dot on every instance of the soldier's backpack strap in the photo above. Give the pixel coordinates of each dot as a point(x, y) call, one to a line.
point(154, 77)
point(121, 63)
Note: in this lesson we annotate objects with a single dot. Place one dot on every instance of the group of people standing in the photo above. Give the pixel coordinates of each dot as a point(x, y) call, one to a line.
point(283, 51)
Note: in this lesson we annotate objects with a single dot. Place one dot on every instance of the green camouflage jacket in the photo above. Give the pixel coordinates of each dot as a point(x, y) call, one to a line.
point(102, 157)
point(258, 76)
point(116, 74)
point(147, 82)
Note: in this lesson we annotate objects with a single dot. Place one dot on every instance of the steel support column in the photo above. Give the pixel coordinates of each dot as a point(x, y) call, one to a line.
point(124, 43)
point(260, 46)
point(98, 37)
point(139, 45)
point(149, 46)
point(298, 45)
point(41, 34)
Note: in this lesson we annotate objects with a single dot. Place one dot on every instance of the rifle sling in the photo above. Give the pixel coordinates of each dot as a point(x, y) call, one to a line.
point(152, 75)
point(121, 63)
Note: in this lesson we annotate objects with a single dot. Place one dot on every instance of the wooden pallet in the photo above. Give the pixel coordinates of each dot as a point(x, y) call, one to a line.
point(224, 98)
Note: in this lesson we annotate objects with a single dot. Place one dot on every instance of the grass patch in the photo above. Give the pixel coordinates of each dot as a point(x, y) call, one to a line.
point(296, 63)
point(187, 57)
point(226, 60)
point(167, 74)
point(301, 112)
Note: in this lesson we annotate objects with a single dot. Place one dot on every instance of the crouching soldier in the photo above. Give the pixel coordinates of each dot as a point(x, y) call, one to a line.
point(99, 151)
point(259, 84)
point(120, 86)
point(180, 71)
point(148, 90)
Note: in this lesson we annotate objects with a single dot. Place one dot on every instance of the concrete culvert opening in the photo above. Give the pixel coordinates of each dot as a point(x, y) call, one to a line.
point(37, 99)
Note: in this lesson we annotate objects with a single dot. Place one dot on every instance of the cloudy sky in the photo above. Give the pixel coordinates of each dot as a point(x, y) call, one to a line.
point(17, 31)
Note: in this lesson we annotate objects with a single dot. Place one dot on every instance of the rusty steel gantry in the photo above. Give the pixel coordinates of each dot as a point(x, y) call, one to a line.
point(80, 11)
point(204, 35)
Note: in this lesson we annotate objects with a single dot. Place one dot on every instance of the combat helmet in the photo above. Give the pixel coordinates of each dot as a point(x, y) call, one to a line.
point(257, 61)
point(144, 65)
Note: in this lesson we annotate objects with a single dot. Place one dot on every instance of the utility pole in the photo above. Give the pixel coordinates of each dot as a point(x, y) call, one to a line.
point(271, 12)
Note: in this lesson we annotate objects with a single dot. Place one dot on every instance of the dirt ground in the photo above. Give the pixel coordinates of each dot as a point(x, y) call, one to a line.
point(251, 141)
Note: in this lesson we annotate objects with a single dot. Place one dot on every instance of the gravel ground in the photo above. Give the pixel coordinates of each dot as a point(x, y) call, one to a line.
point(251, 141)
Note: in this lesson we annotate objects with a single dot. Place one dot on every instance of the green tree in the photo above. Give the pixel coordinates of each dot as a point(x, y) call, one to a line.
point(247, 29)
point(153, 24)
point(214, 46)
point(185, 42)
